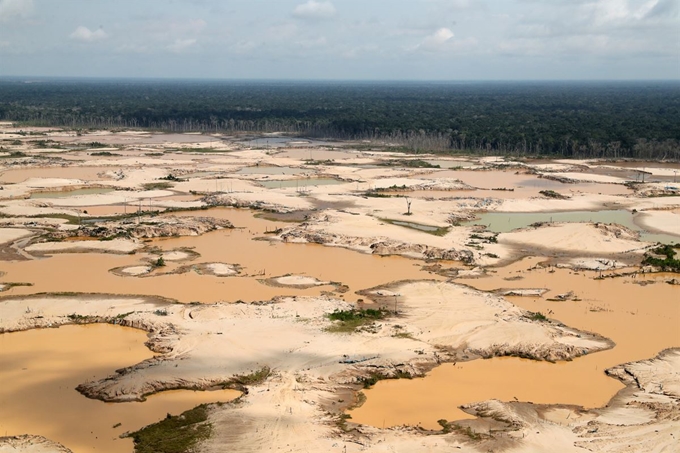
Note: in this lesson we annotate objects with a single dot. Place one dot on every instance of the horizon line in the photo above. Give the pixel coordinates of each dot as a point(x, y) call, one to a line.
point(27, 78)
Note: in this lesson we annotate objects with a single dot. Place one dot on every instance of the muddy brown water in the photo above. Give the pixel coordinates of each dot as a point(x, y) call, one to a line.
point(517, 193)
point(641, 320)
point(523, 185)
point(318, 154)
point(16, 175)
point(40, 369)
point(89, 272)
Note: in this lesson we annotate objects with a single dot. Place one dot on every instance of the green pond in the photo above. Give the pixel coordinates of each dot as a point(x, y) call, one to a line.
point(309, 182)
point(503, 222)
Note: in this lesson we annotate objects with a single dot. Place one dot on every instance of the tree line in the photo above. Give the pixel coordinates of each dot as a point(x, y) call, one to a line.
point(597, 119)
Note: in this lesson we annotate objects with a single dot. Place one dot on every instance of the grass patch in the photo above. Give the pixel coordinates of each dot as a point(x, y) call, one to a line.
point(403, 335)
point(157, 185)
point(537, 316)
point(81, 319)
point(415, 163)
point(376, 194)
point(375, 376)
point(172, 177)
point(553, 194)
point(253, 378)
point(349, 320)
point(174, 434)
point(14, 154)
point(667, 264)
point(448, 427)
point(10, 285)
point(435, 231)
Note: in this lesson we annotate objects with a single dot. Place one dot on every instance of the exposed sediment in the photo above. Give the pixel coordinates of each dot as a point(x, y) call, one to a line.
point(30, 444)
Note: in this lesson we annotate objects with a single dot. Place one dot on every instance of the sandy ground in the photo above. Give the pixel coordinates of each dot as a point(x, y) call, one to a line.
point(579, 238)
point(289, 337)
point(12, 234)
point(298, 280)
point(665, 221)
point(201, 346)
point(30, 444)
point(113, 246)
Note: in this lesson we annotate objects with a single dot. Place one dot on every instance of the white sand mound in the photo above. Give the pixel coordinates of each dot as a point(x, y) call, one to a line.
point(12, 234)
point(449, 314)
point(581, 238)
point(212, 343)
point(30, 444)
point(221, 269)
point(114, 246)
point(175, 255)
point(593, 264)
point(299, 280)
point(136, 270)
point(665, 221)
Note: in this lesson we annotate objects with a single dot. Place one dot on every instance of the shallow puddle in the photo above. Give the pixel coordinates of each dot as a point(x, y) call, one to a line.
point(40, 369)
point(262, 170)
point(641, 320)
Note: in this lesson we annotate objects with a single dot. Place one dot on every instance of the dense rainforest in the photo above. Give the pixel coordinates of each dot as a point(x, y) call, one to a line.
point(568, 119)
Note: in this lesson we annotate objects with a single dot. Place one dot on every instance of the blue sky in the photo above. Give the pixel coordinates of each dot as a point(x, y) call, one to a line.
point(342, 39)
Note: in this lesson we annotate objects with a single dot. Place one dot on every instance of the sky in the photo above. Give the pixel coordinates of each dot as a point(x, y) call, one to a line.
point(342, 39)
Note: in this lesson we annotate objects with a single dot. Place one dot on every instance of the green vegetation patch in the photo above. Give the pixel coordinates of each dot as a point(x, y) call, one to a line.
point(350, 320)
point(667, 264)
point(375, 376)
point(537, 316)
point(449, 427)
point(172, 177)
point(174, 434)
point(553, 194)
point(410, 163)
point(435, 231)
point(157, 185)
point(254, 378)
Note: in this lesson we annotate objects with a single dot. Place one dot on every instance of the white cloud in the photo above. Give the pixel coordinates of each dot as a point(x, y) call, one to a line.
point(181, 45)
point(315, 10)
point(444, 40)
point(15, 8)
point(438, 38)
point(84, 34)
